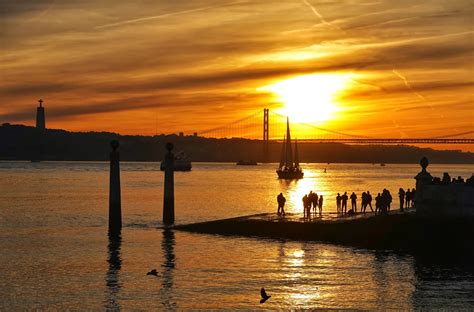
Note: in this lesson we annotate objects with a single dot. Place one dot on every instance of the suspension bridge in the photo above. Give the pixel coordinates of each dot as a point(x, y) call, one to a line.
point(271, 126)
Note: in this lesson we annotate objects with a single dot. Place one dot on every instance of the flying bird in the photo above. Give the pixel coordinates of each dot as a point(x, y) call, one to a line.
point(264, 295)
point(153, 272)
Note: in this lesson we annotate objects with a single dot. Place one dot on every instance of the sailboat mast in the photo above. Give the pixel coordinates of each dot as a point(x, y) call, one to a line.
point(283, 152)
point(297, 160)
point(289, 152)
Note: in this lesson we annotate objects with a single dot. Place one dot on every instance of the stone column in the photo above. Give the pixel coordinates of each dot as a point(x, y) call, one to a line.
point(115, 207)
point(168, 197)
point(422, 178)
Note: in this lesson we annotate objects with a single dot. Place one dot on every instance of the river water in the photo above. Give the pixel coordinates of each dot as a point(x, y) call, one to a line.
point(55, 253)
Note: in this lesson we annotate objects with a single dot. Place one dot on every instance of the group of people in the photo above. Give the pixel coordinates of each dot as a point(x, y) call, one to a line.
point(447, 180)
point(407, 198)
point(383, 201)
point(341, 203)
point(313, 202)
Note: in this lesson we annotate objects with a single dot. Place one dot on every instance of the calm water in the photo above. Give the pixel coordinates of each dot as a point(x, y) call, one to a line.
point(55, 253)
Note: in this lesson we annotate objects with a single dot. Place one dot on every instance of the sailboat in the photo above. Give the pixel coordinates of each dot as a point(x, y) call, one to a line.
point(289, 167)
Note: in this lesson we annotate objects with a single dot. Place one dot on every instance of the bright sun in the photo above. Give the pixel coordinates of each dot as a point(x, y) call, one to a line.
point(308, 98)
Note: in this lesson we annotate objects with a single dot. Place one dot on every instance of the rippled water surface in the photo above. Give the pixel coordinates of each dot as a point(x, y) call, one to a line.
point(55, 253)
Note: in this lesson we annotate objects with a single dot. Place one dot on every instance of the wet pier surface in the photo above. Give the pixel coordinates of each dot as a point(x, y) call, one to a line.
point(327, 217)
point(395, 230)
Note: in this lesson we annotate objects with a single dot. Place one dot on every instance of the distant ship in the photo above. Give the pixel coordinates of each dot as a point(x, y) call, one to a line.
point(181, 162)
point(246, 163)
point(289, 167)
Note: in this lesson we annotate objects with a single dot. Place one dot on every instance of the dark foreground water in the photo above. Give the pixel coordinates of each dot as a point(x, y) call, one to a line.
point(55, 253)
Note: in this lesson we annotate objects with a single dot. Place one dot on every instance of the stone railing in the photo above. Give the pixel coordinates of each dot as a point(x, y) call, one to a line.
point(436, 197)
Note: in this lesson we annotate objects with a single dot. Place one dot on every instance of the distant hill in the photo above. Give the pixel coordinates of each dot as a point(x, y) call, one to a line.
point(18, 142)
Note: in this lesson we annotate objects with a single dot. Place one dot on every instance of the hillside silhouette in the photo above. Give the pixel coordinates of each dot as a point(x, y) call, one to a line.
point(19, 142)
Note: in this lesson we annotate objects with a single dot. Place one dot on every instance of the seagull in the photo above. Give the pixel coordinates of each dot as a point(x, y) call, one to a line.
point(264, 295)
point(153, 272)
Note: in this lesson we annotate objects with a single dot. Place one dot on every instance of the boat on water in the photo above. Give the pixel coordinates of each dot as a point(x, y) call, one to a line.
point(246, 163)
point(289, 167)
point(181, 162)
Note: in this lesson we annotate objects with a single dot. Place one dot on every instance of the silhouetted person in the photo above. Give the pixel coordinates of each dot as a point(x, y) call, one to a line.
point(407, 198)
point(311, 200)
point(344, 199)
point(354, 202)
point(305, 206)
point(401, 196)
point(314, 202)
point(412, 195)
point(363, 203)
point(389, 200)
point(446, 178)
point(470, 181)
point(281, 204)
point(369, 201)
point(338, 202)
point(378, 203)
point(320, 204)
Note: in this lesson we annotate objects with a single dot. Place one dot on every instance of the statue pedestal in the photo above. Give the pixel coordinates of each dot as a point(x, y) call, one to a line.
point(423, 178)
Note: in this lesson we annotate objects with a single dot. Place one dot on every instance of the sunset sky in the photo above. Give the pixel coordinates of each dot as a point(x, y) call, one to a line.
point(381, 68)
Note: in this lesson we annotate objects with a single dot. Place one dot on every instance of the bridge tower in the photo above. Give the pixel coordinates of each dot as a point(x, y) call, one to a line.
point(265, 134)
point(40, 118)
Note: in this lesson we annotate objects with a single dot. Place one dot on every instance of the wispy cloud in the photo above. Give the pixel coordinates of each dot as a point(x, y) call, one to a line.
point(166, 15)
point(409, 86)
point(318, 15)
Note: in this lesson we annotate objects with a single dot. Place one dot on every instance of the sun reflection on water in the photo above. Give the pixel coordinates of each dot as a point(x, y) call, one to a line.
point(300, 292)
point(296, 189)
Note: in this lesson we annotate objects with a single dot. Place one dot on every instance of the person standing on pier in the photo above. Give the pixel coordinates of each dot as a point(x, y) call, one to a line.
point(369, 201)
point(378, 204)
point(306, 203)
point(281, 204)
point(363, 203)
point(310, 200)
point(388, 198)
point(320, 204)
point(354, 202)
point(401, 195)
point(344, 202)
point(314, 202)
point(338, 202)
point(407, 198)
point(413, 197)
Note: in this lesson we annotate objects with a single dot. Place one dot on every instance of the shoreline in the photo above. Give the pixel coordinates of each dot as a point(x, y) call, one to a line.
point(227, 162)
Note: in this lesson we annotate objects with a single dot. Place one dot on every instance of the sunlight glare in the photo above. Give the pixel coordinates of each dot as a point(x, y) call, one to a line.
point(309, 98)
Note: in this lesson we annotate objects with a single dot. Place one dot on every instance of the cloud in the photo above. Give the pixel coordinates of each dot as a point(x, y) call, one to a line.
point(165, 15)
point(109, 57)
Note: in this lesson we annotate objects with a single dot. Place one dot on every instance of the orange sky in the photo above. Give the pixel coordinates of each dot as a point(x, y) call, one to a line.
point(169, 66)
